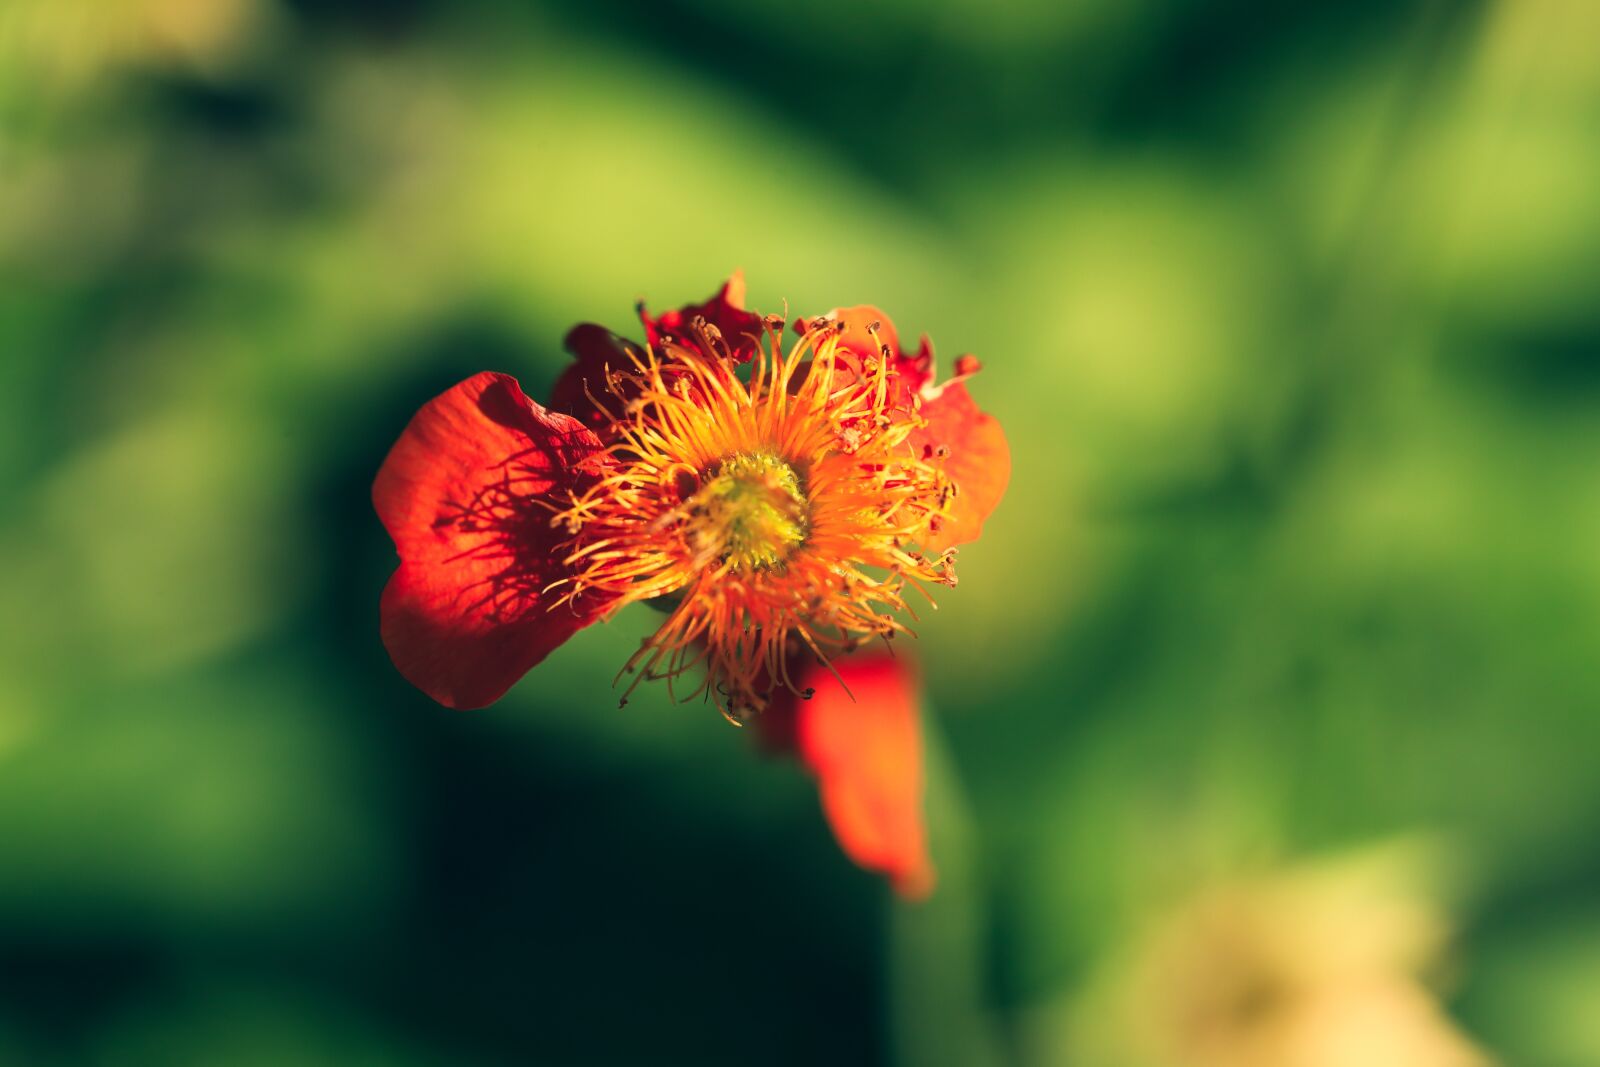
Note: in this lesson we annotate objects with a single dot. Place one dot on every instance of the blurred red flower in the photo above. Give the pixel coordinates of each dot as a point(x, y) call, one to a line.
point(776, 503)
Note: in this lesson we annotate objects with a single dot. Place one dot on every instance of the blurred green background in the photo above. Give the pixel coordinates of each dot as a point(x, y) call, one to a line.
point(1291, 312)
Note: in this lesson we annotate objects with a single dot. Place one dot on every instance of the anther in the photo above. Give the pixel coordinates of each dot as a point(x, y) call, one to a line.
point(685, 483)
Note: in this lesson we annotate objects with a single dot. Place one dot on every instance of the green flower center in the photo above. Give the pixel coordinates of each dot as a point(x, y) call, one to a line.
point(752, 510)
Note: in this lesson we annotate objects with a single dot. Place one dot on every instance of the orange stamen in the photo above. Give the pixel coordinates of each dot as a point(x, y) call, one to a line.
point(782, 513)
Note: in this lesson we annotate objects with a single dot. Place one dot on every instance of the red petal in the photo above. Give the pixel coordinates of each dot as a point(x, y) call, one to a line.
point(464, 493)
point(866, 753)
point(979, 462)
point(742, 330)
point(596, 349)
point(979, 459)
point(856, 336)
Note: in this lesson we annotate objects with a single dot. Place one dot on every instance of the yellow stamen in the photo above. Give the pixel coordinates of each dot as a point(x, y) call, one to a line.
point(780, 514)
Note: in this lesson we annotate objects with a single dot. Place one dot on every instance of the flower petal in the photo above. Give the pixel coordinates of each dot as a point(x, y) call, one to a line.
point(741, 330)
point(463, 494)
point(857, 337)
point(865, 747)
point(978, 459)
point(577, 392)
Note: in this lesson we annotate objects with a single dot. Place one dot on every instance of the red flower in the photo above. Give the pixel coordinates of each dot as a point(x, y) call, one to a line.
point(779, 515)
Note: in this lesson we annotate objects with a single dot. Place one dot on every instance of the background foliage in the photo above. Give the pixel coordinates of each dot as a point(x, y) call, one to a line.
point(1289, 311)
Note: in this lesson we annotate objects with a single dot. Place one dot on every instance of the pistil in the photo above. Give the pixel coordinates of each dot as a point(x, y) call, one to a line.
point(751, 512)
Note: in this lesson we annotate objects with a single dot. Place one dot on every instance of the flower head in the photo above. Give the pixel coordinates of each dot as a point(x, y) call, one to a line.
point(779, 510)
point(783, 500)
point(775, 497)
